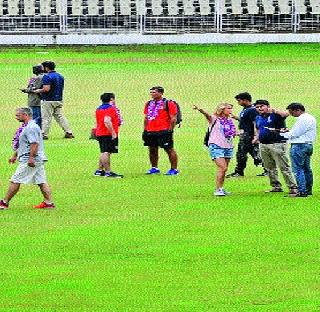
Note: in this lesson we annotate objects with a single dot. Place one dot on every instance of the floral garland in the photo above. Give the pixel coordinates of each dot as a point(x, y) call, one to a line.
point(31, 81)
point(153, 109)
point(15, 140)
point(228, 127)
point(118, 113)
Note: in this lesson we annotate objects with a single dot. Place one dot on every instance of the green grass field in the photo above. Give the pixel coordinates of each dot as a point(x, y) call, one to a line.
point(158, 243)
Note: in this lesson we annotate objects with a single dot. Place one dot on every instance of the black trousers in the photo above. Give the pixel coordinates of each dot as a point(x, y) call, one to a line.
point(246, 147)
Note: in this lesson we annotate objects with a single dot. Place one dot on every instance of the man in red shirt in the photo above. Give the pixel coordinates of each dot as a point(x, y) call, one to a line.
point(159, 122)
point(107, 129)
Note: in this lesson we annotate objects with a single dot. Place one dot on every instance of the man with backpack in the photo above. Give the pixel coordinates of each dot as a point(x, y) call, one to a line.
point(161, 117)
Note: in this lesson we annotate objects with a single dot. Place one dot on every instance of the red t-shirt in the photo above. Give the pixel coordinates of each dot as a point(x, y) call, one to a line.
point(103, 111)
point(158, 118)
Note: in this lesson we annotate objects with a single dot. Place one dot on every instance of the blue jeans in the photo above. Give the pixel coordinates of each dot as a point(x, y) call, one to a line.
point(36, 114)
point(300, 155)
point(216, 151)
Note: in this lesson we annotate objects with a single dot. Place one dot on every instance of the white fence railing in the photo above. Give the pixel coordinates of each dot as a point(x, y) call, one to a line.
point(159, 16)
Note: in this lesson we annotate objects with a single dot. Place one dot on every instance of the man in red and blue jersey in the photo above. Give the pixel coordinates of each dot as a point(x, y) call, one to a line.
point(159, 122)
point(107, 130)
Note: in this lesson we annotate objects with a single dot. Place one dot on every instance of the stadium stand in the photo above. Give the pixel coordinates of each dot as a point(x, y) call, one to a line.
point(159, 16)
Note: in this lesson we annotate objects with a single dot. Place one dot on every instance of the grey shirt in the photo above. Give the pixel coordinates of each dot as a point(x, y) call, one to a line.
point(34, 99)
point(30, 134)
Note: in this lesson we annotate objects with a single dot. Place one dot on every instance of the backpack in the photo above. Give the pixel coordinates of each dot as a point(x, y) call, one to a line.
point(207, 135)
point(179, 114)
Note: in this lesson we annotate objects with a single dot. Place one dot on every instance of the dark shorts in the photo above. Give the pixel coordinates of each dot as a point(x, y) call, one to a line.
point(164, 139)
point(107, 145)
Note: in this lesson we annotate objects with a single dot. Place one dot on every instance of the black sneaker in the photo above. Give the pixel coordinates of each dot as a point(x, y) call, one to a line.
point(293, 192)
point(68, 135)
point(300, 195)
point(99, 173)
point(275, 189)
point(234, 175)
point(113, 175)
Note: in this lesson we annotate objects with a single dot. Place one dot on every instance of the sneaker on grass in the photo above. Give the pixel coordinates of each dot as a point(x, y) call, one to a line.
point(113, 175)
point(234, 175)
point(219, 192)
point(68, 135)
point(226, 192)
point(172, 172)
point(44, 205)
point(275, 189)
point(293, 191)
point(299, 195)
point(99, 173)
point(153, 170)
point(3, 205)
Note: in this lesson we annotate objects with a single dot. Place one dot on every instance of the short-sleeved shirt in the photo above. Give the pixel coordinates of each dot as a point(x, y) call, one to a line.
point(31, 133)
point(56, 82)
point(34, 99)
point(217, 134)
point(247, 117)
point(158, 117)
point(263, 122)
point(103, 111)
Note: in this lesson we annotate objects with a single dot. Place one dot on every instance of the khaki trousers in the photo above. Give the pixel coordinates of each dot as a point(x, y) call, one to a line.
point(51, 109)
point(275, 156)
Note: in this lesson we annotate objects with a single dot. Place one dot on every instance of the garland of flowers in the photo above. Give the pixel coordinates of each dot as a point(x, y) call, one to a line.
point(31, 81)
point(118, 113)
point(15, 140)
point(228, 127)
point(153, 109)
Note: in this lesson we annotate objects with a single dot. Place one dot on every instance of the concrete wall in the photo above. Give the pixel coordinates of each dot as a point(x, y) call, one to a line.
point(96, 39)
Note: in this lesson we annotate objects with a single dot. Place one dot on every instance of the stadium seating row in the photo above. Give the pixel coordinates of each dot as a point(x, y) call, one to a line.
point(155, 7)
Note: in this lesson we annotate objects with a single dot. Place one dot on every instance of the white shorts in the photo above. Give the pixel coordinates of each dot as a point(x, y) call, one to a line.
point(29, 175)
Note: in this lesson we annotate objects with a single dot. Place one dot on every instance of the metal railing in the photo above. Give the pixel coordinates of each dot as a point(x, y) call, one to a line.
point(163, 17)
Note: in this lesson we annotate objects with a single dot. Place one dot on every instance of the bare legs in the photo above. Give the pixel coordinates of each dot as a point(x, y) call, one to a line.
point(46, 192)
point(222, 167)
point(173, 158)
point(154, 156)
point(104, 161)
point(12, 191)
point(14, 188)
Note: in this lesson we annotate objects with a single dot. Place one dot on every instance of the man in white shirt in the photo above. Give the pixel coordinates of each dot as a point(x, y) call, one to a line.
point(301, 136)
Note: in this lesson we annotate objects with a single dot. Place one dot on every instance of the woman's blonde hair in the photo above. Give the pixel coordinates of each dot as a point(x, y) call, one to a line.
point(221, 107)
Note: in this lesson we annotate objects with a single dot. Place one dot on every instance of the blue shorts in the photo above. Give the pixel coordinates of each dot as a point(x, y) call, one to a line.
point(220, 152)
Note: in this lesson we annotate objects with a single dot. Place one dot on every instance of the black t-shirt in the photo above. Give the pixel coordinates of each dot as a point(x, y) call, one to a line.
point(247, 117)
point(272, 120)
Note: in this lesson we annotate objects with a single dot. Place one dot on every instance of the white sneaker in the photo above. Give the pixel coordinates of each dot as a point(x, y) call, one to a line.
point(226, 192)
point(219, 192)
